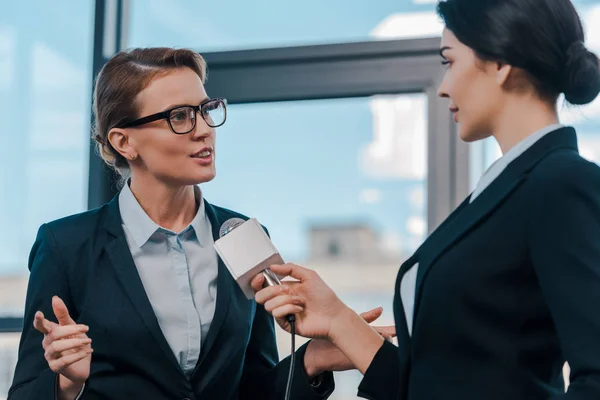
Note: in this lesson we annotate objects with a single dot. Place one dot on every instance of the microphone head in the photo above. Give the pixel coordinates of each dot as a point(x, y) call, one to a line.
point(246, 250)
point(230, 225)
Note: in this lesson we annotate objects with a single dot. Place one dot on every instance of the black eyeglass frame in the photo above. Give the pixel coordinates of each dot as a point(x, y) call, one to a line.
point(167, 115)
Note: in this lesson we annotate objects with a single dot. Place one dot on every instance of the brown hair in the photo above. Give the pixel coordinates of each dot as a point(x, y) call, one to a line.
point(120, 81)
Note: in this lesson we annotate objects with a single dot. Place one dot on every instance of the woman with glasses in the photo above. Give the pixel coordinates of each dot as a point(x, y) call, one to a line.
point(130, 301)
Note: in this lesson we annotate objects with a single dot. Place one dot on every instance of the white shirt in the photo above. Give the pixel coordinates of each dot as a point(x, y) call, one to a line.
point(409, 280)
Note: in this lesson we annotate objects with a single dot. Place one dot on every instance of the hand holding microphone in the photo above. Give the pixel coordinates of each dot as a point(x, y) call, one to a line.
point(247, 251)
point(306, 306)
point(324, 317)
point(321, 304)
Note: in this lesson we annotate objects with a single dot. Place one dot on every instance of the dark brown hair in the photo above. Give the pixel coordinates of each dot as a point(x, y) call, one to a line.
point(544, 38)
point(120, 81)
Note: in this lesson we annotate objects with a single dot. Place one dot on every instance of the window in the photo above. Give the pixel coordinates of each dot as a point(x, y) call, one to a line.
point(239, 24)
point(45, 83)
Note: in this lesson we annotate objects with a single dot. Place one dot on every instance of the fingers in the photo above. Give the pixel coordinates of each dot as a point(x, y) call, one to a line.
point(41, 324)
point(372, 315)
point(55, 349)
point(62, 332)
point(61, 312)
point(283, 311)
point(386, 331)
point(271, 292)
point(257, 282)
point(293, 270)
point(283, 300)
point(57, 365)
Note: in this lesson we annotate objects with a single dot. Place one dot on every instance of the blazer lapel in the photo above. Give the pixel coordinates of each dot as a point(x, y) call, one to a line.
point(487, 202)
point(122, 261)
point(224, 288)
point(402, 333)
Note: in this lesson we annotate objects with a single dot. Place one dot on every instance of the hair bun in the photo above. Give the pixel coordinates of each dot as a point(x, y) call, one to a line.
point(582, 75)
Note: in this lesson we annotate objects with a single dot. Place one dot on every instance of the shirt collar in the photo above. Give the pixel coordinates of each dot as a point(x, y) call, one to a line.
point(499, 165)
point(200, 223)
point(529, 141)
point(141, 227)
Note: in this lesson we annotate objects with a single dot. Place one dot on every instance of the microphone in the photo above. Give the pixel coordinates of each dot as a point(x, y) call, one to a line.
point(246, 251)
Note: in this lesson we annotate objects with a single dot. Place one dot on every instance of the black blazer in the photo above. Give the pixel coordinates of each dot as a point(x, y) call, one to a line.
point(508, 288)
point(86, 261)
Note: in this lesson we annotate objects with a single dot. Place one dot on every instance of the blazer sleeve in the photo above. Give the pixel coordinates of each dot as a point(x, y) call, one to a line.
point(382, 379)
point(33, 379)
point(264, 378)
point(565, 251)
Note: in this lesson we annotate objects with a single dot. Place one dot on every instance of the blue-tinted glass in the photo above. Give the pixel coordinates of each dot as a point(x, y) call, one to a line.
point(237, 24)
point(45, 84)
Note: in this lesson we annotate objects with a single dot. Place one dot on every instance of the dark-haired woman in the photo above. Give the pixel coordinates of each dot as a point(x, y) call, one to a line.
point(508, 288)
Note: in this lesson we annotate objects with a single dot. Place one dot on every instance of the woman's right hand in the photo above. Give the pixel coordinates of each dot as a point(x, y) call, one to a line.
point(314, 304)
point(319, 314)
point(67, 348)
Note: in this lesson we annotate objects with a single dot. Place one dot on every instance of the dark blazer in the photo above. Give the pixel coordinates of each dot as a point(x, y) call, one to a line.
point(86, 261)
point(508, 288)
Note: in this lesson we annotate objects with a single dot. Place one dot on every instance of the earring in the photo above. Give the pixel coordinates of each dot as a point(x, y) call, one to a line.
point(133, 156)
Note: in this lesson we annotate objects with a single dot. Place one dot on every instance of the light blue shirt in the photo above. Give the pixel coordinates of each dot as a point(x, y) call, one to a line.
point(179, 273)
point(409, 280)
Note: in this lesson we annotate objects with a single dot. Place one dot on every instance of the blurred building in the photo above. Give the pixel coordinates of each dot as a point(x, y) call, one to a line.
point(347, 243)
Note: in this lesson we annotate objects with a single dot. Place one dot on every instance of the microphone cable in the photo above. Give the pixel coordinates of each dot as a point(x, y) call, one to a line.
point(292, 320)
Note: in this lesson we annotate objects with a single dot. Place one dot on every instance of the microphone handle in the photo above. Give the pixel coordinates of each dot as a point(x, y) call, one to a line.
point(270, 278)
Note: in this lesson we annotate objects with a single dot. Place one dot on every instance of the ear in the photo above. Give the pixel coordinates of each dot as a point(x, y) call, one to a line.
point(120, 141)
point(502, 73)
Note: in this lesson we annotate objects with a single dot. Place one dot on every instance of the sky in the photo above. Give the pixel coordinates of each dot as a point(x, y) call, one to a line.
point(287, 164)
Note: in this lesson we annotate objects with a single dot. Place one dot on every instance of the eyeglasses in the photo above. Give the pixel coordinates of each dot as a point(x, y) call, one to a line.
point(182, 119)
